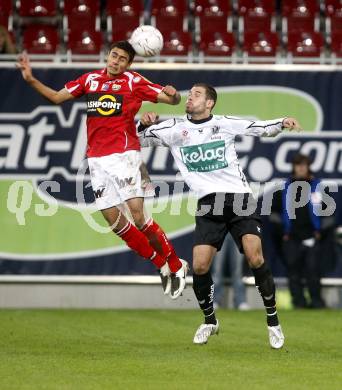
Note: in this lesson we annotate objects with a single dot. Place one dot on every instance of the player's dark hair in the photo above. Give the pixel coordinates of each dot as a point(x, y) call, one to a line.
point(126, 46)
point(210, 92)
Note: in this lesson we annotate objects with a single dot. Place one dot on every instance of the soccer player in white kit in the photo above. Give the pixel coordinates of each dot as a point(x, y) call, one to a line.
point(203, 147)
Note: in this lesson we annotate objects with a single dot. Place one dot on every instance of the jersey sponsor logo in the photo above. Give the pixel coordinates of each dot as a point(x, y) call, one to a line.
point(104, 105)
point(204, 157)
point(116, 87)
point(127, 181)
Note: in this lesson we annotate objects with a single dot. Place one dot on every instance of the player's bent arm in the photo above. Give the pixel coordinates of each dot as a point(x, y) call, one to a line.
point(169, 95)
point(56, 97)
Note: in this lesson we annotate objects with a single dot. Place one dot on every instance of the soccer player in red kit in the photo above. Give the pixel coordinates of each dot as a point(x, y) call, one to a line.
point(114, 96)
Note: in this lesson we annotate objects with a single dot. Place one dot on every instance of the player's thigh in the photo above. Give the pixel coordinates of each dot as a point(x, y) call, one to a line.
point(210, 229)
point(105, 193)
point(124, 171)
point(202, 258)
point(246, 231)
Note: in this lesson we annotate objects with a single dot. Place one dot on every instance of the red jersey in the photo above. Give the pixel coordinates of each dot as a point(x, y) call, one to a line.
point(112, 103)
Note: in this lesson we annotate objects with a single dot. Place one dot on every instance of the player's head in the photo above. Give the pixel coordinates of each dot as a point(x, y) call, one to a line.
point(301, 166)
point(201, 99)
point(120, 57)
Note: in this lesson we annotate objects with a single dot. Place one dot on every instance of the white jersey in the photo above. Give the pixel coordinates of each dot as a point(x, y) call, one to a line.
point(204, 151)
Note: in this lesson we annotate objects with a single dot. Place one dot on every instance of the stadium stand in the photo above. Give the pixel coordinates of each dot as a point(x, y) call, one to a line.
point(85, 42)
point(177, 43)
point(212, 16)
point(38, 8)
point(6, 14)
point(333, 13)
point(123, 15)
point(261, 44)
point(81, 15)
point(336, 44)
point(217, 44)
point(300, 15)
point(305, 44)
point(169, 15)
point(40, 39)
point(227, 30)
point(256, 15)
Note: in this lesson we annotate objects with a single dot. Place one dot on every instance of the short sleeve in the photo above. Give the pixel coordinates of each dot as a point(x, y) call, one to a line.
point(76, 87)
point(144, 89)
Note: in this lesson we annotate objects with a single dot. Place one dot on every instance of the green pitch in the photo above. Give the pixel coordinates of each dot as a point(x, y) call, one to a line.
point(153, 350)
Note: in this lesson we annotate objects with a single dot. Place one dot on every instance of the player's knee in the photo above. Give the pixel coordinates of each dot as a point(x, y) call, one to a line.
point(200, 267)
point(255, 259)
point(138, 218)
point(252, 249)
point(114, 220)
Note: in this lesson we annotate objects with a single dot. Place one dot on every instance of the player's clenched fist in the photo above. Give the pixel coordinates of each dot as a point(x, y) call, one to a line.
point(149, 118)
point(291, 124)
point(169, 90)
point(23, 64)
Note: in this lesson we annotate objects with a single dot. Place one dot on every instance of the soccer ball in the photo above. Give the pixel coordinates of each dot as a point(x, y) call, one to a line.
point(147, 41)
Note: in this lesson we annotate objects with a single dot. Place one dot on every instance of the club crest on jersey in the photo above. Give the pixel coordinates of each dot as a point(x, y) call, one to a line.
point(215, 129)
point(204, 157)
point(185, 133)
point(104, 104)
point(105, 87)
point(93, 85)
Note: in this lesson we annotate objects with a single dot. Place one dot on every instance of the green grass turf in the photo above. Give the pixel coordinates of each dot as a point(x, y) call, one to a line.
point(147, 349)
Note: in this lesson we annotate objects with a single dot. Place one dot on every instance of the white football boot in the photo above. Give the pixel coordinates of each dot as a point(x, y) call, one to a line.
point(165, 276)
point(204, 332)
point(276, 336)
point(178, 280)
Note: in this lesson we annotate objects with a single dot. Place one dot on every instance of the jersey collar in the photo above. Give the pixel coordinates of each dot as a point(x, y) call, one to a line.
point(199, 121)
point(105, 75)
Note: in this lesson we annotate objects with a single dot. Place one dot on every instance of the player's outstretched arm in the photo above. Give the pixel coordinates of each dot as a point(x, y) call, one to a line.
point(169, 95)
point(269, 128)
point(56, 97)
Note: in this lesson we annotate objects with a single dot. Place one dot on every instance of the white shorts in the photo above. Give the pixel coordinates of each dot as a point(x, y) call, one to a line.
point(116, 178)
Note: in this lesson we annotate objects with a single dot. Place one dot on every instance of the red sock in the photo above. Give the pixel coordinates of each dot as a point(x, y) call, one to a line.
point(161, 244)
point(139, 244)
